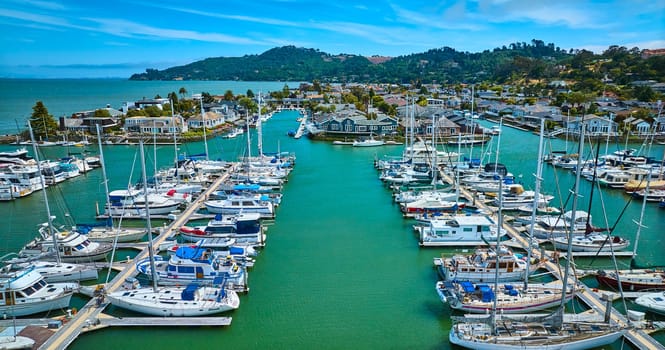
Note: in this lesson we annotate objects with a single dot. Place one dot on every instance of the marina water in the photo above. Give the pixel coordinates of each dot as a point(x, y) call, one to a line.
point(342, 269)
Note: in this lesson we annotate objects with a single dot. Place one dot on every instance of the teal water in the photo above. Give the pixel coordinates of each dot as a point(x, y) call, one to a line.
point(341, 269)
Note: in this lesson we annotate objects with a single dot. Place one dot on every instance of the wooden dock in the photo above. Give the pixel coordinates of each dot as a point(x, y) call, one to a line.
point(638, 337)
point(108, 321)
point(91, 314)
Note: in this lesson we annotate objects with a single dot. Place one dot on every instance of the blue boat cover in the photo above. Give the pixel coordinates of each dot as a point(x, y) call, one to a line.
point(188, 292)
point(236, 251)
point(187, 252)
point(467, 286)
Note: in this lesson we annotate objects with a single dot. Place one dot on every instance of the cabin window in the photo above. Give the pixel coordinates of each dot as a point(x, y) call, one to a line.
point(467, 229)
point(186, 269)
point(172, 268)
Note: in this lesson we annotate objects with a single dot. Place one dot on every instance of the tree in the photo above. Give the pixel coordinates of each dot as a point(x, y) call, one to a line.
point(207, 98)
point(643, 93)
point(153, 111)
point(228, 95)
point(102, 113)
point(174, 98)
point(249, 104)
point(250, 93)
point(182, 92)
point(42, 123)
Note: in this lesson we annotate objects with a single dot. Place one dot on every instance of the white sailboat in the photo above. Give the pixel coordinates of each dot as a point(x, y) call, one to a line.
point(173, 301)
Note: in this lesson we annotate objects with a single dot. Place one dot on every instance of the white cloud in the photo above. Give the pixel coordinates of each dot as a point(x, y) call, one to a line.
point(123, 28)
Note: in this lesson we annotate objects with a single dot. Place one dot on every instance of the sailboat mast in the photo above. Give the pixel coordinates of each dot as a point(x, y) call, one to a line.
point(154, 153)
point(498, 145)
point(569, 252)
point(151, 253)
point(472, 129)
point(203, 120)
point(48, 208)
point(536, 194)
point(106, 192)
point(646, 190)
point(175, 144)
point(259, 131)
point(249, 141)
point(435, 161)
point(496, 253)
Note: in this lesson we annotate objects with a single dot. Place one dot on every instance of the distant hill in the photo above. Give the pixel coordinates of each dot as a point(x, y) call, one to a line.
point(535, 60)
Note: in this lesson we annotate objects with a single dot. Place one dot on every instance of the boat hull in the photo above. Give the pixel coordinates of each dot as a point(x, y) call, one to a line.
point(537, 344)
point(147, 302)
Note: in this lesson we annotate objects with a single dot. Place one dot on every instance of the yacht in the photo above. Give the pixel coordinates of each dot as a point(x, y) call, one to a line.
point(132, 202)
point(481, 266)
point(457, 230)
point(26, 292)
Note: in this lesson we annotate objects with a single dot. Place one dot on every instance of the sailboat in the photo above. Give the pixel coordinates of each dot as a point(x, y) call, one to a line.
point(173, 301)
point(553, 331)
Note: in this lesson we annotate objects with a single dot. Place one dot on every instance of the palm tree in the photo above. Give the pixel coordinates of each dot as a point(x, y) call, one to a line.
point(182, 92)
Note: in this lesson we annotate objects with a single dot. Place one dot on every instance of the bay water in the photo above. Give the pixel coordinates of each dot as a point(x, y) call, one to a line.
point(341, 269)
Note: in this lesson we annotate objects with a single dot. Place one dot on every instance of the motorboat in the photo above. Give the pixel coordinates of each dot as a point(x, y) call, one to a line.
point(196, 265)
point(458, 230)
point(26, 293)
point(241, 205)
point(71, 246)
point(481, 266)
point(132, 202)
point(242, 228)
point(654, 302)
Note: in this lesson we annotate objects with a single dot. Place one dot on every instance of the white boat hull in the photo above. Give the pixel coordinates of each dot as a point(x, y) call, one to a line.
point(166, 302)
point(539, 344)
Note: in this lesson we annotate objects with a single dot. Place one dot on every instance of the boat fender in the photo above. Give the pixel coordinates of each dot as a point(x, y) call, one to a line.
point(235, 268)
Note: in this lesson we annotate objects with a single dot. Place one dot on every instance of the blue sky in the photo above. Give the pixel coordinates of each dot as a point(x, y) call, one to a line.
point(116, 38)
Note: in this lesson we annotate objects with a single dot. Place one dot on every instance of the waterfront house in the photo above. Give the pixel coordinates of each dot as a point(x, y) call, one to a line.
point(444, 127)
point(212, 121)
point(356, 124)
point(596, 126)
point(155, 125)
point(638, 126)
point(142, 104)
